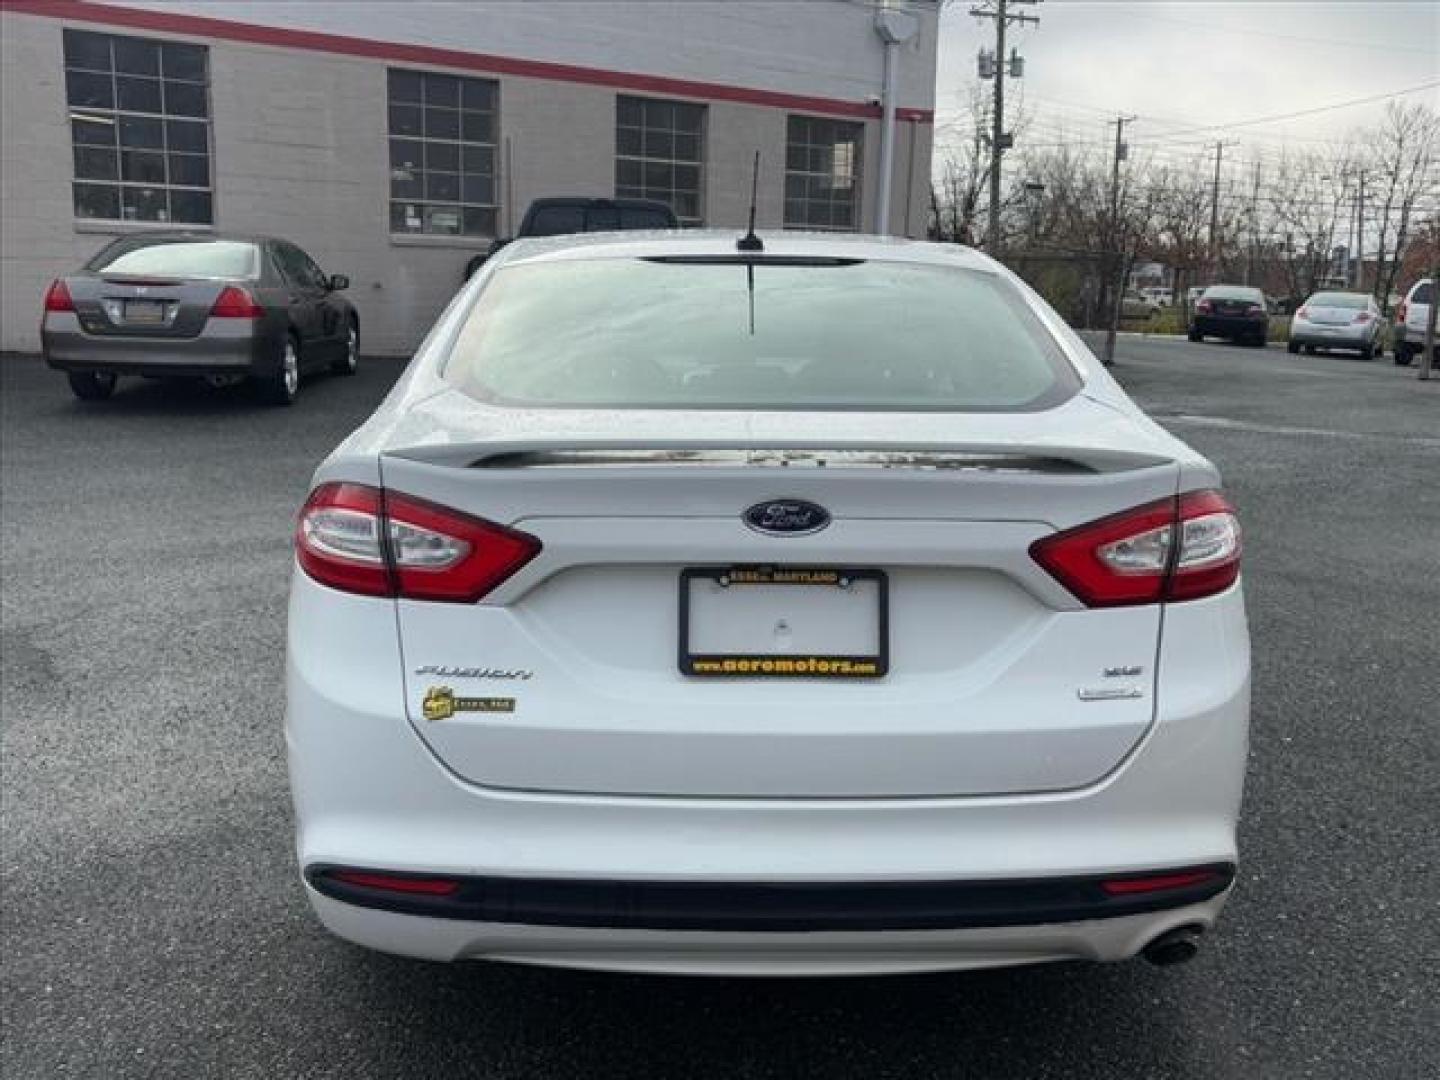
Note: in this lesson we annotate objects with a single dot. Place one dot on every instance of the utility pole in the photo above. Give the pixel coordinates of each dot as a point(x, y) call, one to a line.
point(1360, 232)
point(998, 68)
point(1117, 272)
point(1254, 225)
point(1427, 352)
point(1215, 213)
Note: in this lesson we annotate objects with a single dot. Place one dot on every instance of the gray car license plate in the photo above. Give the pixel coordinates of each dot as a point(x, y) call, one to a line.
point(148, 312)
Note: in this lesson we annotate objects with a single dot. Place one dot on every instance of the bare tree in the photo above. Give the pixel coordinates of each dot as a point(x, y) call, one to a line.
point(1307, 205)
point(964, 178)
point(1405, 151)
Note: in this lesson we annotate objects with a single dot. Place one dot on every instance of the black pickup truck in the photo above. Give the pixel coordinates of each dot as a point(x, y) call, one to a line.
point(556, 216)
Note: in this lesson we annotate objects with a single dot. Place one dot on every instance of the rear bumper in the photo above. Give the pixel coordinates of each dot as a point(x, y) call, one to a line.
point(1339, 337)
point(230, 346)
point(757, 953)
point(369, 794)
point(1226, 326)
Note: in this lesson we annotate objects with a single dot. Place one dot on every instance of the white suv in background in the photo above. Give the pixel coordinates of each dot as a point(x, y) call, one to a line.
point(1408, 334)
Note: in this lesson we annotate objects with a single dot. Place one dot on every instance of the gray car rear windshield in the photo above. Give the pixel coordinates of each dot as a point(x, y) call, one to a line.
point(826, 334)
point(1234, 292)
point(179, 258)
point(1354, 301)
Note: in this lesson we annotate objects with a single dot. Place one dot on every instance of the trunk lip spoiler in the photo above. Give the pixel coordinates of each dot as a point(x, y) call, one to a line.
point(630, 452)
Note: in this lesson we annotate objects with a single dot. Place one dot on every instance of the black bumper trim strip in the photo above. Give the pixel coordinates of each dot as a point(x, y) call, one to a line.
point(749, 906)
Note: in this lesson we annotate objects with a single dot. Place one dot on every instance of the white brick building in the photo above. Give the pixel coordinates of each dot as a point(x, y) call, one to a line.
point(393, 140)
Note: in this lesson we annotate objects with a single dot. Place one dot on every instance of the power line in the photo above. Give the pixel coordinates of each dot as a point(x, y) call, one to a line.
point(1308, 112)
point(1231, 29)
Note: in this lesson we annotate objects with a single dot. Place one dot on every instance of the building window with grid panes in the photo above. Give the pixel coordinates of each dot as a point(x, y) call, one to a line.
point(442, 154)
point(660, 154)
point(822, 174)
point(139, 127)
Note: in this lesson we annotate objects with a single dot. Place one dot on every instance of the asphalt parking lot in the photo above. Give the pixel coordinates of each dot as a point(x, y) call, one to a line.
point(152, 921)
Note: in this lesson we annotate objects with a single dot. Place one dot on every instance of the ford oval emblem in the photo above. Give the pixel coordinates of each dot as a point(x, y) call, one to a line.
point(787, 517)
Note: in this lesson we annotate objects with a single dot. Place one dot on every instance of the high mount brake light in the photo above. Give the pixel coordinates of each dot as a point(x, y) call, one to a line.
point(236, 303)
point(359, 539)
point(57, 297)
point(1133, 558)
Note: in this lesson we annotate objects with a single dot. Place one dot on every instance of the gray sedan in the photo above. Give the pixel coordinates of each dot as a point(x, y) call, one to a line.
point(199, 306)
point(1338, 320)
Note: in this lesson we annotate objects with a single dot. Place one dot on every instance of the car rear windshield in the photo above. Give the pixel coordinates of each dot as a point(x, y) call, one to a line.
point(179, 258)
point(1234, 292)
point(1354, 301)
point(757, 334)
point(1422, 294)
point(555, 220)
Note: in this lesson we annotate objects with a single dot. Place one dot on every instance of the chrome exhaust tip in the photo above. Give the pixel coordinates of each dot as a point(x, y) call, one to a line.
point(1173, 947)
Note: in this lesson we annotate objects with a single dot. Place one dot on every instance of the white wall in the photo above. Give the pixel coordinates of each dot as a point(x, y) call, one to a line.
point(824, 48)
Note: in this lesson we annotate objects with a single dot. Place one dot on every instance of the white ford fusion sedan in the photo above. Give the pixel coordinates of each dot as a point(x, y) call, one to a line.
point(799, 605)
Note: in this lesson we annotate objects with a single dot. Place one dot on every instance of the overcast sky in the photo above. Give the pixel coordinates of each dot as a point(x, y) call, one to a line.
point(1181, 65)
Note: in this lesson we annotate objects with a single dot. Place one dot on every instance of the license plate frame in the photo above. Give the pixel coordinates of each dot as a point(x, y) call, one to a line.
point(785, 666)
point(144, 312)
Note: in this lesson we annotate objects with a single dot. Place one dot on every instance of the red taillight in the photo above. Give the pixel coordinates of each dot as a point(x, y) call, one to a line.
point(57, 297)
point(1361, 317)
point(1132, 886)
point(236, 303)
point(421, 886)
point(1303, 313)
point(1202, 305)
point(359, 539)
point(1401, 310)
point(337, 539)
point(1134, 557)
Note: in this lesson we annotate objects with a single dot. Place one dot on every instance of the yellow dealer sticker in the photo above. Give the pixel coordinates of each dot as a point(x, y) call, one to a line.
point(441, 703)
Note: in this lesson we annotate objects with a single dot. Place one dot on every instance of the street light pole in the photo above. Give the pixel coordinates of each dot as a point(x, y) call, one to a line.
point(1117, 271)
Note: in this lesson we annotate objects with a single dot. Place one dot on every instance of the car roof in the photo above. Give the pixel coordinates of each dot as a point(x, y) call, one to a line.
point(185, 234)
point(651, 243)
point(596, 202)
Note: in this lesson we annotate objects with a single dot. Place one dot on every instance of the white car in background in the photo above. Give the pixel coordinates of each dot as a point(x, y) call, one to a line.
point(796, 605)
point(1407, 336)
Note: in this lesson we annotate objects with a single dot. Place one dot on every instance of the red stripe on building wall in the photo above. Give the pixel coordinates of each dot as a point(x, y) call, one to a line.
point(345, 45)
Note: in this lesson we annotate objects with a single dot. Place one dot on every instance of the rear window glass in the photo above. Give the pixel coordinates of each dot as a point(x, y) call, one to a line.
point(637, 333)
point(631, 218)
point(1234, 292)
point(1422, 294)
point(1353, 301)
point(180, 258)
point(556, 221)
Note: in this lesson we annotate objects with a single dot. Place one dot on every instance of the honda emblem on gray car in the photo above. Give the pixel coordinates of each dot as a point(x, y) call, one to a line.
point(787, 517)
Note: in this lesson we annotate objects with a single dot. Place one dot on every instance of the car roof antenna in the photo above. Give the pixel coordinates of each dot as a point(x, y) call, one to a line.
point(751, 242)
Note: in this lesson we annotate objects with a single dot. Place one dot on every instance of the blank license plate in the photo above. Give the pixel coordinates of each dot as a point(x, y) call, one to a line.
point(145, 311)
point(779, 622)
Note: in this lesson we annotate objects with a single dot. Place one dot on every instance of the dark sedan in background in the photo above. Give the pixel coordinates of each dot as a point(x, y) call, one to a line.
point(1234, 312)
point(199, 306)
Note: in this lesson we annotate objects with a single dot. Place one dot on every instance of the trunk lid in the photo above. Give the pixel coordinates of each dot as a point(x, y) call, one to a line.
point(151, 306)
point(568, 678)
point(1332, 316)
